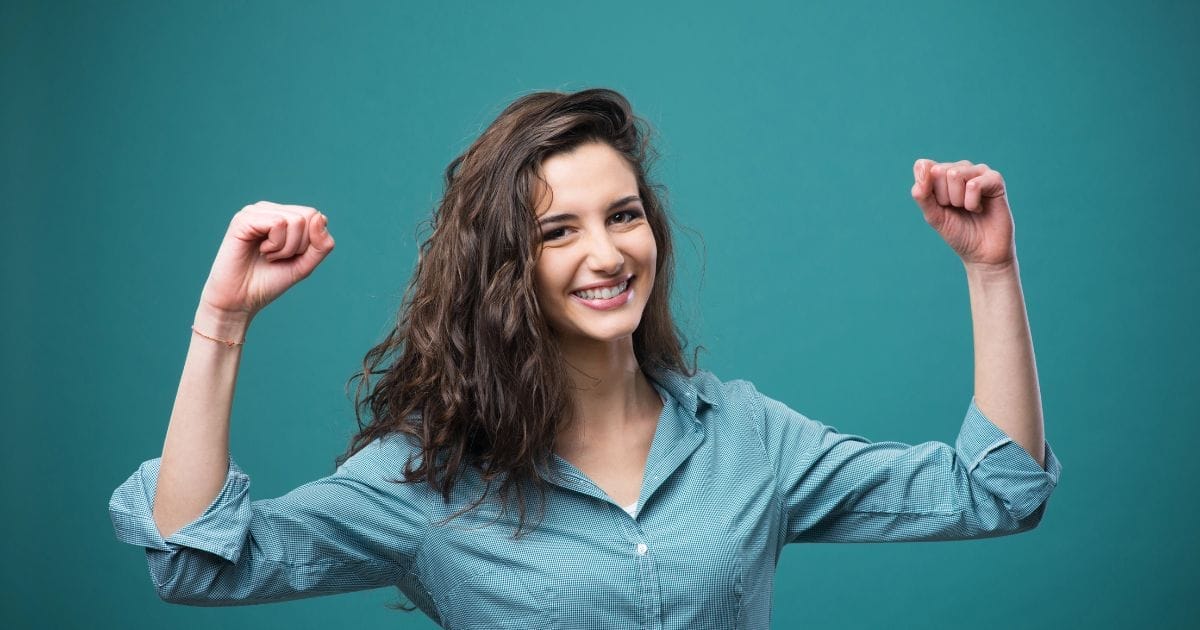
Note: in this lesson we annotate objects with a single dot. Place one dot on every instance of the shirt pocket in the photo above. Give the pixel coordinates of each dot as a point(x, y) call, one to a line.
point(497, 599)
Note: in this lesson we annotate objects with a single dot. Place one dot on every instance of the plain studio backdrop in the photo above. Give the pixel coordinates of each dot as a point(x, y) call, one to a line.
point(133, 131)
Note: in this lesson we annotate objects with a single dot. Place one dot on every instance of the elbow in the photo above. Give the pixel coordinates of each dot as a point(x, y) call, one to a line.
point(1009, 523)
point(1013, 501)
point(995, 515)
point(1027, 509)
point(170, 593)
point(169, 589)
point(1032, 520)
point(177, 580)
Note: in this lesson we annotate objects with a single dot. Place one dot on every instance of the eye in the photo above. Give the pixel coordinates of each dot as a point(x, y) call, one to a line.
point(553, 234)
point(633, 213)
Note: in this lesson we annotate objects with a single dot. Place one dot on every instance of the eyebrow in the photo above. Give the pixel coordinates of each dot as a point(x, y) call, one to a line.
point(567, 216)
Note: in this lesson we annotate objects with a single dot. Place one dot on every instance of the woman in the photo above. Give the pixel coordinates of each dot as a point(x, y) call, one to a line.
point(537, 366)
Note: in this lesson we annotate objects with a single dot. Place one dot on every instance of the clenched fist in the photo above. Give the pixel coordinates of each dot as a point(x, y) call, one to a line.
point(268, 248)
point(968, 206)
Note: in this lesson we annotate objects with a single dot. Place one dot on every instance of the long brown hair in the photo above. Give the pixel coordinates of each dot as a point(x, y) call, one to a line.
point(479, 378)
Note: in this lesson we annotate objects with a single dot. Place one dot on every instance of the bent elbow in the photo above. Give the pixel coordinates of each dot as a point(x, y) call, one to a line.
point(1032, 520)
point(170, 593)
point(1008, 523)
point(171, 590)
point(178, 579)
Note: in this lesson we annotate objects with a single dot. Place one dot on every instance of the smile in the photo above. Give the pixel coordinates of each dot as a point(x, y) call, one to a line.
point(605, 299)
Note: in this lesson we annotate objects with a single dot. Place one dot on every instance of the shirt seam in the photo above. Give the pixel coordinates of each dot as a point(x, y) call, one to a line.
point(412, 569)
point(908, 512)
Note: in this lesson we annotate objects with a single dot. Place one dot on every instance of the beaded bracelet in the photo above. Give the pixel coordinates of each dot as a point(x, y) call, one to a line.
point(227, 342)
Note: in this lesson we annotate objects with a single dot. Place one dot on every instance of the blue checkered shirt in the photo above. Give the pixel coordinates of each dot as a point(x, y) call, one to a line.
point(732, 477)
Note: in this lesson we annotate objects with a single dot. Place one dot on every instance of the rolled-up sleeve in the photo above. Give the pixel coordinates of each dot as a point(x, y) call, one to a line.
point(349, 531)
point(840, 487)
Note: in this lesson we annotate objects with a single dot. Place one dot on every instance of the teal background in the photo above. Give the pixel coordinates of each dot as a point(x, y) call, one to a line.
point(132, 132)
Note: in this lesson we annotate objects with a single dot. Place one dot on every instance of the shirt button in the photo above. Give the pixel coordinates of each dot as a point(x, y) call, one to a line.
point(641, 549)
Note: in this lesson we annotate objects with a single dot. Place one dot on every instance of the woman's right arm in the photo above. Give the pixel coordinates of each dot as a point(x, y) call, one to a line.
point(205, 541)
point(195, 455)
point(267, 249)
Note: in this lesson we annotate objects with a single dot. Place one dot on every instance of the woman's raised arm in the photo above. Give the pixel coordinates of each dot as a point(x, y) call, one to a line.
point(997, 477)
point(195, 455)
point(206, 542)
point(967, 204)
point(267, 249)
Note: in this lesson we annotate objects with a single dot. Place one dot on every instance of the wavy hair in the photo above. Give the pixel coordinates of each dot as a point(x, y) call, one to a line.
point(472, 369)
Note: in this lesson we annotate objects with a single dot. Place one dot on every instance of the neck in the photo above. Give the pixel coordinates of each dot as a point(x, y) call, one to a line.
point(611, 392)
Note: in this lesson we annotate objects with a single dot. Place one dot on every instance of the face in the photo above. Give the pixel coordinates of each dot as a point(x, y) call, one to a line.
point(594, 232)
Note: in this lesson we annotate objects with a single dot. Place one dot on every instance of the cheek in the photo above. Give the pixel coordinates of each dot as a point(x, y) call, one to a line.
point(544, 279)
point(651, 254)
point(539, 288)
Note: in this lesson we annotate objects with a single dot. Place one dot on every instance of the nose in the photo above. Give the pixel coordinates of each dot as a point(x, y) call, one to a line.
point(603, 255)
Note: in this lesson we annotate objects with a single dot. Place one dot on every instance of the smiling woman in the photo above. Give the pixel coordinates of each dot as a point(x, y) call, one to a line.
point(601, 259)
point(535, 357)
point(576, 211)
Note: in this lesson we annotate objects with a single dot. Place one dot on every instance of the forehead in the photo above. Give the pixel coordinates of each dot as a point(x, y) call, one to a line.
point(587, 178)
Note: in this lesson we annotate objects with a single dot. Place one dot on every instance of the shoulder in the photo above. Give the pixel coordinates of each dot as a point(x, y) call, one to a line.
point(385, 456)
point(715, 399)
point(734, 392)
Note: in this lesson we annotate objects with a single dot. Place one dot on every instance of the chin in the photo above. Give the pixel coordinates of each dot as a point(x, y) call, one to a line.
point(614, 332)
point(606, 334)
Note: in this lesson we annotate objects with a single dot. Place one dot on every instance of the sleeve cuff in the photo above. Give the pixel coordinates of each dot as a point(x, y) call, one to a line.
point(220, 529)
point(1003, 467)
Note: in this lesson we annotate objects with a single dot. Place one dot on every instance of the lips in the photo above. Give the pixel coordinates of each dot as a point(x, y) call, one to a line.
point(594, 287)
point(615, 301)
point(596, 293)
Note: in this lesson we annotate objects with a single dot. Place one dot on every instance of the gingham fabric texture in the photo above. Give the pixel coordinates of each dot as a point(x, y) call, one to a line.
point(732, 477)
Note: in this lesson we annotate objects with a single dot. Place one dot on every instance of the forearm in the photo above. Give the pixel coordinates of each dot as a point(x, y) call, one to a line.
point(195, 457)
point(1006, 383)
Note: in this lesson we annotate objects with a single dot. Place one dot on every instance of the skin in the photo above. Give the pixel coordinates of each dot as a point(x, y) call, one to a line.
point(617, 408)
point(269, 247)
point(967, 205)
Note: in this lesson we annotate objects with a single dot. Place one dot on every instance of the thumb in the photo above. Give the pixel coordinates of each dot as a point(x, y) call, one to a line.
point(320, 242)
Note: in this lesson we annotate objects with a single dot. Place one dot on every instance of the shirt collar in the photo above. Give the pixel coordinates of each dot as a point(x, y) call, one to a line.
point(692, 392)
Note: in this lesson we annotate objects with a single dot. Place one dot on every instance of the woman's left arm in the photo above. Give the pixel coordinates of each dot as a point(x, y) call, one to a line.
point(967, 205)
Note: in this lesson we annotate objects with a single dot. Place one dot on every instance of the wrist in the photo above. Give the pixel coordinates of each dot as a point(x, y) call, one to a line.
point(989, 271)
point(224, 325)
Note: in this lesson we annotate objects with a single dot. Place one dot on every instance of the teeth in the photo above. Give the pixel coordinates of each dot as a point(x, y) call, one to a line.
point(602, 294)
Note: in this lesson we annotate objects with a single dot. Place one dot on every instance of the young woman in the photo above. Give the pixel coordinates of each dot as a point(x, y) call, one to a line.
point(535, 371)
